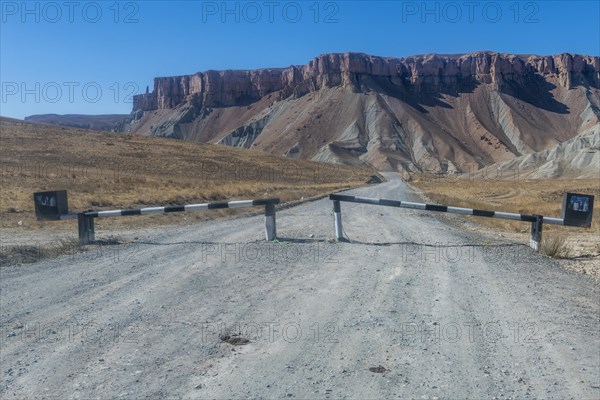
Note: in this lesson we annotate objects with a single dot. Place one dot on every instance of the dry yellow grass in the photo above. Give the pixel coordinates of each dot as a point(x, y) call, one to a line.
point(542, 197)
point(105, 171)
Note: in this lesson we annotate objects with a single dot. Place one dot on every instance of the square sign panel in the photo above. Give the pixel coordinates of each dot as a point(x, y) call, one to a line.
point(577, 209)
point(50, 205)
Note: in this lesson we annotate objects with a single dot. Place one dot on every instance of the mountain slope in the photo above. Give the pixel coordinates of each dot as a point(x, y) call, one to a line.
point(576, 158)
point(104, 170)
point(431, 112)
point(105, 122)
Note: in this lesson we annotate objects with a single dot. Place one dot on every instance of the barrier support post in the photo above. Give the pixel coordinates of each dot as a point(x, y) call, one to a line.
point(535, 239)
point(270, 227)
point(337, 213)
point(86, 229)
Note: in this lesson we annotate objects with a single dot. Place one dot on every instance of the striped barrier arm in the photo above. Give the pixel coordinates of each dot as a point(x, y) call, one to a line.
point(536, 220)
point(189, 207)
point(86, 219)
point(441, 208)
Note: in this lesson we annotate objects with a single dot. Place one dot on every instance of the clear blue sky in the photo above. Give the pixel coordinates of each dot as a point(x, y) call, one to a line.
point(87, 57)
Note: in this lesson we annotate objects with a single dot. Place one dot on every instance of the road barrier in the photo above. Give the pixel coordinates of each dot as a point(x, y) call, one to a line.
point(53, 206)
point(577, 211)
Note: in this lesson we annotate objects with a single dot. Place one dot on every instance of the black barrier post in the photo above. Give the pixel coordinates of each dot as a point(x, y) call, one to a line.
point(337, 215)
point(535, 240)
point(270, 227)
point(81, 228)
point(91, 230)
point(86, 229)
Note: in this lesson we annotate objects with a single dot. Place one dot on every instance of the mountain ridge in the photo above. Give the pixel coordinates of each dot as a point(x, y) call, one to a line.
point(100, 122)
point(431, 112)
point(249, 85)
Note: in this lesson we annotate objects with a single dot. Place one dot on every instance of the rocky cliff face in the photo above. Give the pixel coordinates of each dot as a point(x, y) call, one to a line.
point(429, 110)
point(231, 88)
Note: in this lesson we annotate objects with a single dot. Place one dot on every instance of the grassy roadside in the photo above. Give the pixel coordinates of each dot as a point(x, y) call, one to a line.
point(521, 196)
point(107, 171)
point(112, 171)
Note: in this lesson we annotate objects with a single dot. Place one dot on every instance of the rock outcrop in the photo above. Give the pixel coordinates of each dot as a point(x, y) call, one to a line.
point(231, 88)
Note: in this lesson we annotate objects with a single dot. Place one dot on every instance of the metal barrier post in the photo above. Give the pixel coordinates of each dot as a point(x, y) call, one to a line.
point(86, 229)
point(270, 227)
point(91, 229)
point(535, 239)
point(337, 212)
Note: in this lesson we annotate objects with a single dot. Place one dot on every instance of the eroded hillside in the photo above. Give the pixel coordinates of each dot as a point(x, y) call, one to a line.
point(431, 112)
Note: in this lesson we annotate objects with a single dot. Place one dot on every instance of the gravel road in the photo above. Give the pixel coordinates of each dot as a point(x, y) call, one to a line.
point(412, 307)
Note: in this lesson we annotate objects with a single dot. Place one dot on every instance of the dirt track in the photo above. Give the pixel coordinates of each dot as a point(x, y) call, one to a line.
point(434, 312)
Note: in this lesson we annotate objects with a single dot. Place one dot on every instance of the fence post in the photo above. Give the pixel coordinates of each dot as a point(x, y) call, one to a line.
point(86, 229)
point(270, 227)
point(535, 239)
point(337, 212)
